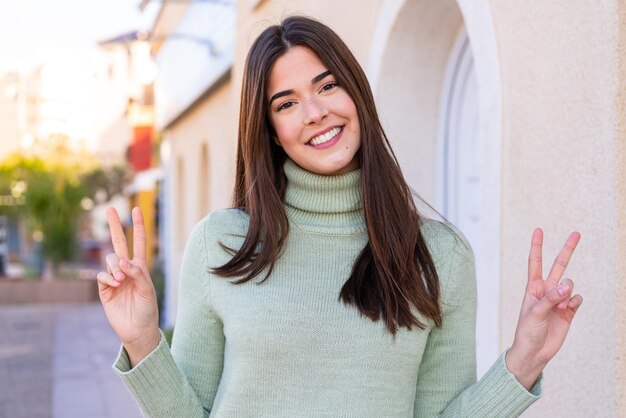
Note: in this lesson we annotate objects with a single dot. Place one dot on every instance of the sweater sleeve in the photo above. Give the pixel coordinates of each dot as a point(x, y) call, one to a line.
point(183, 381)
point(446, 384)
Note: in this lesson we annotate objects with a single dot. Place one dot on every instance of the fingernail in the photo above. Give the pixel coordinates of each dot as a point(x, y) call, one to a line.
point(562, 290)
point(119, 275)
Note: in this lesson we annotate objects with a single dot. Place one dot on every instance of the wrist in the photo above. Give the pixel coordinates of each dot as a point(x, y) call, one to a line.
point(525, 368)
point(142, 346)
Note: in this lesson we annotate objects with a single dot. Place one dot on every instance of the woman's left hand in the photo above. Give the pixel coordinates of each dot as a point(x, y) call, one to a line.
point(546, 315)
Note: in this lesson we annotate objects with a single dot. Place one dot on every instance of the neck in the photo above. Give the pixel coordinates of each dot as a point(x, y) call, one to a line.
point(325, 204)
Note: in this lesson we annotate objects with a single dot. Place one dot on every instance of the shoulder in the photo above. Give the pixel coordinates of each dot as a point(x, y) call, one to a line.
point(224, 221)
point(227, 227)
point(445, 240)
point(453, 258)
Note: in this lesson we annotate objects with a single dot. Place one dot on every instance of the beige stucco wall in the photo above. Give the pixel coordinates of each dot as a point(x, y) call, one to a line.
point(211, 122)
point(353, 24)
point(621, 224)
point(560, 165)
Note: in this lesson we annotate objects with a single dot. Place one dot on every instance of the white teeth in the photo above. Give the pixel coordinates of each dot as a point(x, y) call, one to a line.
point(325, 137)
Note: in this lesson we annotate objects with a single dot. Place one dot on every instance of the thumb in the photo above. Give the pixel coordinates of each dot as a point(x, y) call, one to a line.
point(542, 309)
point(135, 273)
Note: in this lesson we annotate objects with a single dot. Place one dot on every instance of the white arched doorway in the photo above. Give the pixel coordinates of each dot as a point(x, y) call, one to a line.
point(434, 70)
point(459, 143)
point(459, 185)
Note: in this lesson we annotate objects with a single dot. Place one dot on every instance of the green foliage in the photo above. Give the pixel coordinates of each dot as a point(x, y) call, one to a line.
point(48, 194)
point(54, 203)
point(105, 182)
point(49, 197)
point(15, 171)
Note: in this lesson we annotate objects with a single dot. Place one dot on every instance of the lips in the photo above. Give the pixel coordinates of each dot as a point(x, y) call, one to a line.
point(325, 136)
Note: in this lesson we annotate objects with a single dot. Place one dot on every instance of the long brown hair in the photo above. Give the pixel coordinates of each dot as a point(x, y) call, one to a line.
point(395, 272)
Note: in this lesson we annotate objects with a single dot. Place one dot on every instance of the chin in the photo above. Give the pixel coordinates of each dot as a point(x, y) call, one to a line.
point(329, 166)
point(334, 170)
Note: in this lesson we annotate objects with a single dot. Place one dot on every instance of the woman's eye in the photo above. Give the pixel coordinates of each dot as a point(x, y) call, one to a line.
point(285, 105)
point(329, 86)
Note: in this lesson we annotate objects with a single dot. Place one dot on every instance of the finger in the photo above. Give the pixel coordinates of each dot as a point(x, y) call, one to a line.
point(535, 257)
point(562, 260)
point(132, 270)
point(541, 309)
point(105, 279)
point(117, 233)
point(140, 280)
point(113, 265)
point(570, 285)
point(575, 303)
point(139, 236)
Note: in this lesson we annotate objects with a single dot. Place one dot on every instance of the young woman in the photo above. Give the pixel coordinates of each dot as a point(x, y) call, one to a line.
point(323, 292)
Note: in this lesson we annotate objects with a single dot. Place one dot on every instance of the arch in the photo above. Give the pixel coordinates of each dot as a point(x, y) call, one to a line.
point(410, 51)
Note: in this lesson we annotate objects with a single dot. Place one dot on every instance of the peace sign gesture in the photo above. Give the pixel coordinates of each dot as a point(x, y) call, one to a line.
point(126, 290)
point(547, 312)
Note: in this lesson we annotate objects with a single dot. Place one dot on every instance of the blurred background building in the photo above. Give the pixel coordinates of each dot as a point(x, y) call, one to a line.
point(89, 108)
point(194, 46)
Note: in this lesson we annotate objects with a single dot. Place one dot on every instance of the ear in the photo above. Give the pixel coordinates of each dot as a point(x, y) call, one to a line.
point(276, 140)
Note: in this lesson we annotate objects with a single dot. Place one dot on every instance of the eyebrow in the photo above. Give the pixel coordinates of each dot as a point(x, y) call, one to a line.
point(291, 91)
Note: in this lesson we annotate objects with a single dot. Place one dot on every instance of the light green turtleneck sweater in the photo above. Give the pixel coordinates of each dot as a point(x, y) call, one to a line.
point(289, 348)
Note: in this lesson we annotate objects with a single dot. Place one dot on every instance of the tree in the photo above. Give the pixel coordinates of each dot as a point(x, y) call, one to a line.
point(48, 194)
point(54, 202)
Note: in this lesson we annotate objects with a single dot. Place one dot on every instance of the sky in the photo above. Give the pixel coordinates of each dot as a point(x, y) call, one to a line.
point(28, 27)
point(64, 35)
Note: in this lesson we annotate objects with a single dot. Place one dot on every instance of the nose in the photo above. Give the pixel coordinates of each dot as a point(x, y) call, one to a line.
point(314, 110)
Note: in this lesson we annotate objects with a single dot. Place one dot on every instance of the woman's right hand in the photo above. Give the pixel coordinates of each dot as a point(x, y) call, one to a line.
point(126, 290)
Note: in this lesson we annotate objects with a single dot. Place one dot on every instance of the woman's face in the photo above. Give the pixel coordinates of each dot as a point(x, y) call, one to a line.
point(315, 120)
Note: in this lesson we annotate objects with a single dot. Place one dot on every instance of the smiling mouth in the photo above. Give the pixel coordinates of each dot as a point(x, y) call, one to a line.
point(321, 139)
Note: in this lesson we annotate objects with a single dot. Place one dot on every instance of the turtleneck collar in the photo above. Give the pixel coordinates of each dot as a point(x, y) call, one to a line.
point(324, 204)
